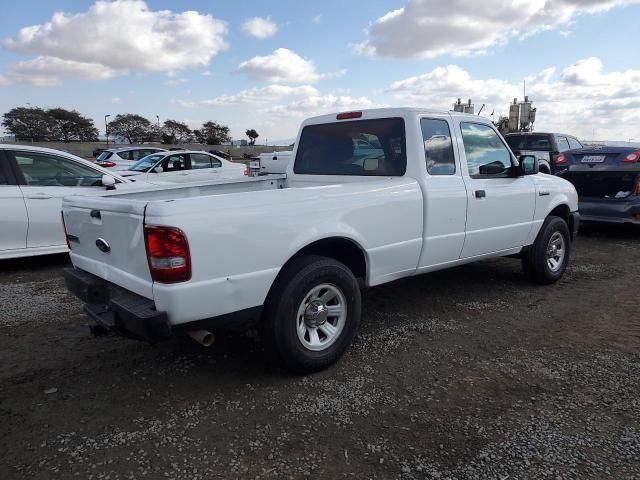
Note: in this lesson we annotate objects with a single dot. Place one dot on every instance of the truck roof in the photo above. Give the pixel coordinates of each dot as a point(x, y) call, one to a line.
point(393, 112)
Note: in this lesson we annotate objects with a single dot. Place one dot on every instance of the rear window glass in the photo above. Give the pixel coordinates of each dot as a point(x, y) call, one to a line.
point(362, 147)
point(105, 155)
point(529, 142)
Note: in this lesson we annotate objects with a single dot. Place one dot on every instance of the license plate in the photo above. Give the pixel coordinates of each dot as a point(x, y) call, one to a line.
point(593, 158)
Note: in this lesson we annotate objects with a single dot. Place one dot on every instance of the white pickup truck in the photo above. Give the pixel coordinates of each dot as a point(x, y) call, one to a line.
point(291, 252)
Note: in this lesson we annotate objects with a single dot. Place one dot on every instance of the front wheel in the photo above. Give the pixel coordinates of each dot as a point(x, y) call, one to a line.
point(548, 257)
point(312, 313)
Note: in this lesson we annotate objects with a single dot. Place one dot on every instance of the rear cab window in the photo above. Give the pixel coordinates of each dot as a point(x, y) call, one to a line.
point(375, 147)
point(532, 142)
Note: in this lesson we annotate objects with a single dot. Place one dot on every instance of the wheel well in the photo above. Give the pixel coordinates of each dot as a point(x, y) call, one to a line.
point(340, 249)
point(562, 211)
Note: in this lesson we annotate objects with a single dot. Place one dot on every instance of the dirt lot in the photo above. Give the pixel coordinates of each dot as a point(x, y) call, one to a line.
point(469, 373)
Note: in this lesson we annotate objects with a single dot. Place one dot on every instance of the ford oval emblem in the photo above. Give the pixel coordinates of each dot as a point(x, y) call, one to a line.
point(102, 245)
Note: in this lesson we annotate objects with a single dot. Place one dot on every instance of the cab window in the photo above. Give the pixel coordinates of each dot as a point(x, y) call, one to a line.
point(486, 155)
point(438, 149)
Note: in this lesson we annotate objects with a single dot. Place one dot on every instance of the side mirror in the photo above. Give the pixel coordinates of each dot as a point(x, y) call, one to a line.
point(529, 165)
point(109, 182)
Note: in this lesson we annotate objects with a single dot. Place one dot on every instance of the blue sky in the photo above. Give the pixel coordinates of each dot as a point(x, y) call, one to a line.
point(307, 58)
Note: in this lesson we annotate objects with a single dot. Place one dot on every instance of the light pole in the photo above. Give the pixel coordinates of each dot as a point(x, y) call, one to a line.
point(106, 128)
point(159, 134)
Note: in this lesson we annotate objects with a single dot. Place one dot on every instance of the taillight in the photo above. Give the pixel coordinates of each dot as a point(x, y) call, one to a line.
point(167, 254)
point(107, 164)
point(561, 159)
point(632, 157)
point(638, 188)
point(246, 171)
point(64, 227)
point(348, 115)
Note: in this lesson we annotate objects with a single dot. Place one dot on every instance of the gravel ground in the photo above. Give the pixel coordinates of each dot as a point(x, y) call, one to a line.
point(470, 373)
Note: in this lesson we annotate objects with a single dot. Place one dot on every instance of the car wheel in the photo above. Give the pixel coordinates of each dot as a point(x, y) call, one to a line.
point(548, 257)
point(312, 313)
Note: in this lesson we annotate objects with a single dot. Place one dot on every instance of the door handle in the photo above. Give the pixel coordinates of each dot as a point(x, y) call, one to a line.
point(481, 194)
point(39, 196)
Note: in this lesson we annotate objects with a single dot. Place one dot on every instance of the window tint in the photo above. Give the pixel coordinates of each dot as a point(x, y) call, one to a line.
point(362, 147)
point(44, 170)
point(200, 160)
point(438, 149)
point(536, 142)
point(574, 143)
point(563, 144)
point(485, 152)
point(174, 163)
point(105, 155)
point(4, 180)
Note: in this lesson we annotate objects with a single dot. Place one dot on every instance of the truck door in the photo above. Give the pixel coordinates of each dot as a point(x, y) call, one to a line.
point(13, 211)
point(445, 196)
point(500, 207)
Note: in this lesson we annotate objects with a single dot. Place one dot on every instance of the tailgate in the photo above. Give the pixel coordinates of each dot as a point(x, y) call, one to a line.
point(107, 239)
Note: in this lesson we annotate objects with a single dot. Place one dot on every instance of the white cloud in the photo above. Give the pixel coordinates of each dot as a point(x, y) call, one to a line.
point(430, 28)
point(176, 81)
point(318, 19)
point(116, 100)
point(575, 100)
point(259, 27)
point(320, 104)
point(254, 96)
point(284, 66)
point(51, 71)
point(206, 73)
point(120, 36)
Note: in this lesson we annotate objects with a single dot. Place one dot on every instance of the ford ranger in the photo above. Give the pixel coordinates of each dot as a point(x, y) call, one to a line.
point(292, 252)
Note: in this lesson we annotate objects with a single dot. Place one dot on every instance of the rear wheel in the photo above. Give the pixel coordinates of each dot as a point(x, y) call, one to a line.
point(312, 313)
point(548, 257)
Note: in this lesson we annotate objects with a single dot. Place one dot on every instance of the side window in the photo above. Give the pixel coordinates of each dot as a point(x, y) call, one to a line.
point(138, 154)
point(45, 170)
point(563, 144)
point(174, 163)
point(485, 152)
point(4, 170)
point(125, 155)
point(438, 149)
point(215, 163)
point(200, 160)
point(574, 143)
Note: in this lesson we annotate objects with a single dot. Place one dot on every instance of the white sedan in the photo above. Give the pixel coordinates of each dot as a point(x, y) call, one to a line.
point(33, 181)
point(183, 166)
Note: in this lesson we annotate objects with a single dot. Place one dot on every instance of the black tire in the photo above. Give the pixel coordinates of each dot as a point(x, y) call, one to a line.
point(279, 325)
point(534, 262)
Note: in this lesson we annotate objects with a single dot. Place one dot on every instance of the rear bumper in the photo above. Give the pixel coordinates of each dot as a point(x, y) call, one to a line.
point(114, 309)
point(611, 211)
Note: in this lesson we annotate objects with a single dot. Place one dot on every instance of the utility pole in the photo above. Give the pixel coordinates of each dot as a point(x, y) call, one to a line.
point(106, 128)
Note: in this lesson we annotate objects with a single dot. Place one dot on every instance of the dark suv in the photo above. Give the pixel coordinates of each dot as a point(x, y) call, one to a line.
point(544, 146)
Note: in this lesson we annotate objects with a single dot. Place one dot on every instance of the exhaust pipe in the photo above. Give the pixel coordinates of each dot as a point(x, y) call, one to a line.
point(203, 337)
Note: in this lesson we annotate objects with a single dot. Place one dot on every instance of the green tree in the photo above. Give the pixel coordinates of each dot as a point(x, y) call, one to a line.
point(213, 133)
point(253, 135)
point(132, 127)
point(32, 124)
point(68, 125)
point(175, 132)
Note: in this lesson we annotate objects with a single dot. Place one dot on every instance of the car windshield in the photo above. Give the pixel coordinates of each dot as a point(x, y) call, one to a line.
point(529, 142)
point(145, 163)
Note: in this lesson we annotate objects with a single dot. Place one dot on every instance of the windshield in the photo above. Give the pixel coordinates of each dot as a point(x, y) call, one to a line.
point(105, 155)
point(529, 142)
point(144, 164)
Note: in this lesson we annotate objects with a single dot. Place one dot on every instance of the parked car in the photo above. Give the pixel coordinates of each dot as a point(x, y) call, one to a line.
point(33, 181)
point(544, 146)
point(274, 162)
point(181, 167)
point(122, 158)
point(607, 180)
point(292, 252)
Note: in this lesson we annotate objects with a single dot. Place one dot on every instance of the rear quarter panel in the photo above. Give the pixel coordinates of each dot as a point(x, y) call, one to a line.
point(239, 242)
